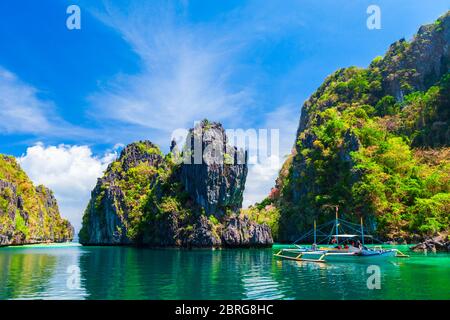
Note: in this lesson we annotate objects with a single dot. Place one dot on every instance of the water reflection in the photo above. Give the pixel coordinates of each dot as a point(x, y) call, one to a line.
point(258, 282)
point(131, 273)
point(37, 273)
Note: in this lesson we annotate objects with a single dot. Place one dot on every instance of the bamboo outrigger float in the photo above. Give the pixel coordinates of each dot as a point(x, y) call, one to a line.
point(340, 246)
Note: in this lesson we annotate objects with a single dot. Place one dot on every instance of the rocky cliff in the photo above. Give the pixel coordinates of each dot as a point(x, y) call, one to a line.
point(441, 242)
point(187, 199)
point(28, 214)
point(216, 178)
point(364, 143)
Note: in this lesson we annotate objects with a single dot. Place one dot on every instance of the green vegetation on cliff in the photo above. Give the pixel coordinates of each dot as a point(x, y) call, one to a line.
point(146, 198)
point(363, 142)
point(28, 214)
point(130, 185)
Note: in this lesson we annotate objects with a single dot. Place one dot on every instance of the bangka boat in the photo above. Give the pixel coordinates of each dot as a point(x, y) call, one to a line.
point(339, 245)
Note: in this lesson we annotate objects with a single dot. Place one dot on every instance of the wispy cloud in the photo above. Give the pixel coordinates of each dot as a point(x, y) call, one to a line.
point(21, 111)
point(192, 71)
point(189, 71)
point(24, 111)
point(184, 77)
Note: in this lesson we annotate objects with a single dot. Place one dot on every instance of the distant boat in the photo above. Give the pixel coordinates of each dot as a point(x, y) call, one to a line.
point(340, 246)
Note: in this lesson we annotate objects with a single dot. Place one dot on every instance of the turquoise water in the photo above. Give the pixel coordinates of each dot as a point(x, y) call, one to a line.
point(44, 272)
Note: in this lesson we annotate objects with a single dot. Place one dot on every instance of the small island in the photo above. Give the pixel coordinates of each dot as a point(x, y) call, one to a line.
point(28, 214)
point(148, 198)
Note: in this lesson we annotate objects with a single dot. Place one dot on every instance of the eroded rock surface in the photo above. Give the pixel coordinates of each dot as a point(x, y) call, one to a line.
point(28, 214)
point(147, 198)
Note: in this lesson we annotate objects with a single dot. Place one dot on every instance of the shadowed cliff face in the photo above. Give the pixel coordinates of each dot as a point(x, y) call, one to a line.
point(213, 172)
point(108, 216)
point(355, 145)
point(28, 214)
point(406, 67)
point(417, 65)
point(146, 198)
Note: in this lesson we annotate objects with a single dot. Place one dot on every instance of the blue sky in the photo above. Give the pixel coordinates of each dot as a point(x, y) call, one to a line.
point(140, 69)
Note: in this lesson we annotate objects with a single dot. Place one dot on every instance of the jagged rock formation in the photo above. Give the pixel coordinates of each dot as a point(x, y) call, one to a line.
point(111, 210)
point(28, 214)
point(357, 139)
point(146, 198)
point(417, 65)
point(213, 183)
point(241, 231)
point(438, 243)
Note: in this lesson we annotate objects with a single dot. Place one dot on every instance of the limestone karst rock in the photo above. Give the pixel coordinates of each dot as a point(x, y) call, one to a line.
point(28, 214)
point(147, 198)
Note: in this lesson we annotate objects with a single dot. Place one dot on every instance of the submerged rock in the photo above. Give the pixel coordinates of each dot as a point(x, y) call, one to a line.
point(438, 243)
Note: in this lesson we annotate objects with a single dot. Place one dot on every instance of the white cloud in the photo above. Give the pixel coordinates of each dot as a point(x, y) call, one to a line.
point(262, 175)
point(184, 76)
point(260, 179)
point(70, 171)
point(188, 72)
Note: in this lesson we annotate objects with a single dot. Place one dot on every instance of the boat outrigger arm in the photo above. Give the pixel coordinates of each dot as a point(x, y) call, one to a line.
point(339, 244)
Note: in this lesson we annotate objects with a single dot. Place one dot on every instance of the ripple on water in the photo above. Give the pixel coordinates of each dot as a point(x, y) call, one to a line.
point(129, 273)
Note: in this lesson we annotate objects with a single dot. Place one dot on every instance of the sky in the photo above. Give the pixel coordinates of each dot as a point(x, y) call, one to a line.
point(71, 99)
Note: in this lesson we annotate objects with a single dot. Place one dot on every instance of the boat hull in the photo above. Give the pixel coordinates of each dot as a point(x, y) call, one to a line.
point(336, 256)
point(365, 256)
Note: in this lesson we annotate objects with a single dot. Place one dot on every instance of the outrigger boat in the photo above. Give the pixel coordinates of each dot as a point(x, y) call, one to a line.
point(340, 246)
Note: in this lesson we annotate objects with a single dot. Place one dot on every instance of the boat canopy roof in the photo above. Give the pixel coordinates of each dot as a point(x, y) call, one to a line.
point(337, 229)
point(350, 236)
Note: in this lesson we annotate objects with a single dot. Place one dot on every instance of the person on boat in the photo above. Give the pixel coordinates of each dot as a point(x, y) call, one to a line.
point(359, 244)
point(333, 241)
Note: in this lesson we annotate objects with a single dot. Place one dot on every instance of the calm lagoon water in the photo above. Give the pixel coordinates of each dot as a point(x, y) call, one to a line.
point(43, 272)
